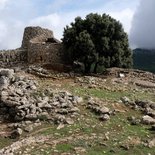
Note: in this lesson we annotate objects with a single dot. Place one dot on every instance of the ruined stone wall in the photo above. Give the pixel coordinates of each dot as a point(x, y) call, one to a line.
point(11, 58)
point(45, 53)
point(38, 47)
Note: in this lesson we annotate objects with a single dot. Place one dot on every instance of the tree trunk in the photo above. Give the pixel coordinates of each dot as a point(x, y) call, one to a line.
point(95, 67)
point(87, 68)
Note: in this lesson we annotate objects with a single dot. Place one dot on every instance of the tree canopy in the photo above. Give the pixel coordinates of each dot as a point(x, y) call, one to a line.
point(97, 40)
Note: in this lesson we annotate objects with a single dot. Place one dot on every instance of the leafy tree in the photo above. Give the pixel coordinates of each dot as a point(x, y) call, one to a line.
point(87, 48)
point(97, 40)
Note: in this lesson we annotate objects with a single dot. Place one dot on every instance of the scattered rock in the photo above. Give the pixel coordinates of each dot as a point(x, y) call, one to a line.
point(9, 73)
point(105, 117)
point(150, 112)
point(142, 104)
point(28, 129)
point(78, 99)
point(80, 150)
point(148, 120)
point(133, 120)
point(104, 110)
point(10, 150)
point(125, 147)
point(125, 100)
point(146, 106)
point(16, 133)
point(101, 110)
point(145, 84)
point(151, 143)
point(75, 109)
point(153, 128)
point(60, 126)
point(69, 121)
point(106, 136)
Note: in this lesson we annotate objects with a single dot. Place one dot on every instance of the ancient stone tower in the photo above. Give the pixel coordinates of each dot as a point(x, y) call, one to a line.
point(41, 46)
point(34, 32)
point(38, 47)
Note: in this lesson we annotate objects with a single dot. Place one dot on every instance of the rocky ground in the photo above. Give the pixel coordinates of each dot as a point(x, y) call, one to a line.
point(43, 112)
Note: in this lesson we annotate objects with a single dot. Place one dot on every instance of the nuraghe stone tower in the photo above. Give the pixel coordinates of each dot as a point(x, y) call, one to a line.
point(38, 47)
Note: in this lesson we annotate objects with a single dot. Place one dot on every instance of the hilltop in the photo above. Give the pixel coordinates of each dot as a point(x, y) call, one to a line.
point(47, 108)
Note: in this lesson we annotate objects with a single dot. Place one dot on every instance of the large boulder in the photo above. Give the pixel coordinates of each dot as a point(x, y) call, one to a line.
point(6, 76)
point(148, 120)
point(9, 73)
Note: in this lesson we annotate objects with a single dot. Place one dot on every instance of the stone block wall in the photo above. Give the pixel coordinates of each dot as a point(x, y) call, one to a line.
point(45, 53)
point(44, 48)
point(12, 58)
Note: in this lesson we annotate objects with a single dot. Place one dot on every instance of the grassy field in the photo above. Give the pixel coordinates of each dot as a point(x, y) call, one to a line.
point(94, 137)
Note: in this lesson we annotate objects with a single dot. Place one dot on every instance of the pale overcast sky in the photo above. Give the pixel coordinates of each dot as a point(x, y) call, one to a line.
point(15, 15)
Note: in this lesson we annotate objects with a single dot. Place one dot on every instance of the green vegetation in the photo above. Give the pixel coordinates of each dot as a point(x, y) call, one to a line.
point(144, 59)
point(5, 142)
point(97, 40)
point(110, 95)
point(64, 147)
point(90, 133)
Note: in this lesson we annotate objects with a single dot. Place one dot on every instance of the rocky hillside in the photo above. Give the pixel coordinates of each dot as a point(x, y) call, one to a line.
point(43, 112)
point(144, 59)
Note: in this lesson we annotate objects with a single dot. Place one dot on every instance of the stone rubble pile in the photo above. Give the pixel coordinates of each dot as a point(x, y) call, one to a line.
point(90, 80)
point(38, 70)
point(144, 84)
point(147, 108)
point(41, 72)
point(15, 94)
point(20, 101)
point(62, 107)
point(102, 111)
point(131, 73)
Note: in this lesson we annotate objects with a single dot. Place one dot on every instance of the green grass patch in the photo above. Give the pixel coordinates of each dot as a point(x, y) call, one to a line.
point(111, 95)
point(5, 142)
point(64, 147)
